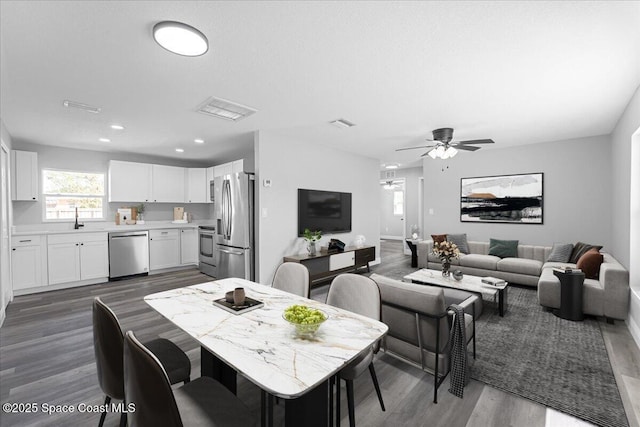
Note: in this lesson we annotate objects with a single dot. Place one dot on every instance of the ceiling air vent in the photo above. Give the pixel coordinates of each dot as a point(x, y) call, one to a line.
point(224, 109)
point(342, 123)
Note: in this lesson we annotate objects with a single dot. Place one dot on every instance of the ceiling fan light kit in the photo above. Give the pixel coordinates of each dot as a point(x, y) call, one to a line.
point(444, 148)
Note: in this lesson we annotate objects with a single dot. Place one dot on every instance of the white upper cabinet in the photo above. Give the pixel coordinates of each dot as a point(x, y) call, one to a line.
point(196, 185)
point(129, 182)
point(24, 185)
point(237, 166)
point(168, 184)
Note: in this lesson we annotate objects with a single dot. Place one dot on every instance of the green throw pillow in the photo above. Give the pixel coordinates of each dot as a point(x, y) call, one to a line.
point(503, 248)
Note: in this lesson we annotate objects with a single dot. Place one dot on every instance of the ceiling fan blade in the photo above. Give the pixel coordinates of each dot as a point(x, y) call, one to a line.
point(426, 152)
point(477, 141)
point(413, 148)
point(467, 147)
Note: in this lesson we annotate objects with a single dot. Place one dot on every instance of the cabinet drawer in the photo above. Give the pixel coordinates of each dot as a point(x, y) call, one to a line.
point(77, 237)
point(365, 255)
point(26, 240)
point(166, 234)
point(343, 260)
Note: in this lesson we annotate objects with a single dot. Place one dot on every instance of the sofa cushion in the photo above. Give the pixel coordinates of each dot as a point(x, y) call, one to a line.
point(437, 238)
point(579, 249)
point(503, 248)
point(531, 267)
point(590, 263)
point(487, 262)
point(460, 240)
point(561, 252)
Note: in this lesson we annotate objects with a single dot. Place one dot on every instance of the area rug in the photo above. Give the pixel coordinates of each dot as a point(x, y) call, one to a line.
point(558, 363)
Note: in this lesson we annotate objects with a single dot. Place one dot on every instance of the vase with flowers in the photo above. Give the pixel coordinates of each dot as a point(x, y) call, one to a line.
point(446, 251)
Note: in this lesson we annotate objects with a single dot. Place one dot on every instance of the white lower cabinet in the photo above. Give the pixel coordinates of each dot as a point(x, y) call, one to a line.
point(28, 262)
point(189, 246)
point(164, 249)
point(75, 257)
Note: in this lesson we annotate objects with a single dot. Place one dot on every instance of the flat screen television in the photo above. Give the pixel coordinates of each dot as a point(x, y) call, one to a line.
point(327, 211)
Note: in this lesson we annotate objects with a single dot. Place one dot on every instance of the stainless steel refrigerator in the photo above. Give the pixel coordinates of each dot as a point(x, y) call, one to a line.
point(233, 212)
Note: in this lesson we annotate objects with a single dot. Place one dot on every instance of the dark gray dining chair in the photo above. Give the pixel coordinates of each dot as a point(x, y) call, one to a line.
point(360, 295)
point(108, 342)
point(292, 277)
point(203, 401)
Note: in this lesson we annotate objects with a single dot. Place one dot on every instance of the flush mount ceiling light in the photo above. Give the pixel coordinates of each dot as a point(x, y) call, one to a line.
point(117, 127)
point(198, 141)
point(392, 166)
point(81, 106)
point(179, 150)
point(104, 140)
point(342, 123)
point(179, 38)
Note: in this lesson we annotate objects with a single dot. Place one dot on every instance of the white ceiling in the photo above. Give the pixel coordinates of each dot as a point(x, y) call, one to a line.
point(517, 72)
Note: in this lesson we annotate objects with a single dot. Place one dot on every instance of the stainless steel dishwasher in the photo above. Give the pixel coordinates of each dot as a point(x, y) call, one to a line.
point(128, 253)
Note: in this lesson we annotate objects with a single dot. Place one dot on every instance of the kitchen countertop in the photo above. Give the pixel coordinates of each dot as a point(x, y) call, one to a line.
point(67, 228)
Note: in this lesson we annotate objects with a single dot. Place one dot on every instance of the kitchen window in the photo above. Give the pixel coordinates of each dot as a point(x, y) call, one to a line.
point(66, 191)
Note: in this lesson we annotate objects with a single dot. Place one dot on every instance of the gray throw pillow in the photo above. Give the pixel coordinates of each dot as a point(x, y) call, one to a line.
point(460, 240)
point(561, 252)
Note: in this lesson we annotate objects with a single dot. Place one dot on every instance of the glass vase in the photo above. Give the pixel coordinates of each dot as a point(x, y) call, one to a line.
point(446, 265)
point(312, 248)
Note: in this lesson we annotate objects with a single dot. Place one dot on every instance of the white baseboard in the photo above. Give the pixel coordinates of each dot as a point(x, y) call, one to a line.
point(634, 328)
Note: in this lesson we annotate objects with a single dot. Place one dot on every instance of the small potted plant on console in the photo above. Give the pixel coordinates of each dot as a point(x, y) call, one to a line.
point(311, 237)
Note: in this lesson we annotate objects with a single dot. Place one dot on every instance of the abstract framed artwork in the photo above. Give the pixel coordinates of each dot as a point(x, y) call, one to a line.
point(504, 198)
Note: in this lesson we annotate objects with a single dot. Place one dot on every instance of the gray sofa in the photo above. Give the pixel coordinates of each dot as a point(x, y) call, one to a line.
point(606, 296)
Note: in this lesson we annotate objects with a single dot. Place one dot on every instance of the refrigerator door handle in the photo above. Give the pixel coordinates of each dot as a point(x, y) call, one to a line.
point(229, 209)
point(230, 252)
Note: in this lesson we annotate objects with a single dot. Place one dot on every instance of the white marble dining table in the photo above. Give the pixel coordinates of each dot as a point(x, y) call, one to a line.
point(263, 347)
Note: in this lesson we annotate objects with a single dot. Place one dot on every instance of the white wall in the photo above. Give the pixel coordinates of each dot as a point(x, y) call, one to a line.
point(625, 177)
point(6, 293)
point(292, 164)
point(577, 200)
point(27, 213)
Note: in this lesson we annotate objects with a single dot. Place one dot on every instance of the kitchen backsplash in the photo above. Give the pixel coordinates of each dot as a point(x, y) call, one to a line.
point(30, 213)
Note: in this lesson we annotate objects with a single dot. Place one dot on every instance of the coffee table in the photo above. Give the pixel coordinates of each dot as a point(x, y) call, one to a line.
point(468, 283)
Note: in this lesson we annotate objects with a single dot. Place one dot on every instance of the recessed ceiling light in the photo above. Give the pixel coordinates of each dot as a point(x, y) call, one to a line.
point(117, 127)
point(104, 140)
point(81, 106)
point(180, 38)
point(342, 123)
point(179, 150)
point(198, 141)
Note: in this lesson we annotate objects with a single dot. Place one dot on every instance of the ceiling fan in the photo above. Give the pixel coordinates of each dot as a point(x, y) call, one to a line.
point(390, 184)
point(444, 148)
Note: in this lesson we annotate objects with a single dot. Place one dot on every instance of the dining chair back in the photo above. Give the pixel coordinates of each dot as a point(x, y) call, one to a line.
point(358, 294)
point(147, 385)
point(292, 277)
point(108, 342)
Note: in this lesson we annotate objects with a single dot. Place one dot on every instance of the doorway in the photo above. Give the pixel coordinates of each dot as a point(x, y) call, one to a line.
point(392, 209)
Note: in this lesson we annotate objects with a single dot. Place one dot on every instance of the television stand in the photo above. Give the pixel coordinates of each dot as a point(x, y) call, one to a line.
point(325, 266)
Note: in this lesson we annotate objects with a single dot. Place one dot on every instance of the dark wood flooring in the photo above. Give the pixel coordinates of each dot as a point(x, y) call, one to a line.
point(46, 356)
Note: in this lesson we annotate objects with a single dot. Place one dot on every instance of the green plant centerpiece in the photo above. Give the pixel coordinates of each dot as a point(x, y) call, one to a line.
point(305, 319)
point(311, 237)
